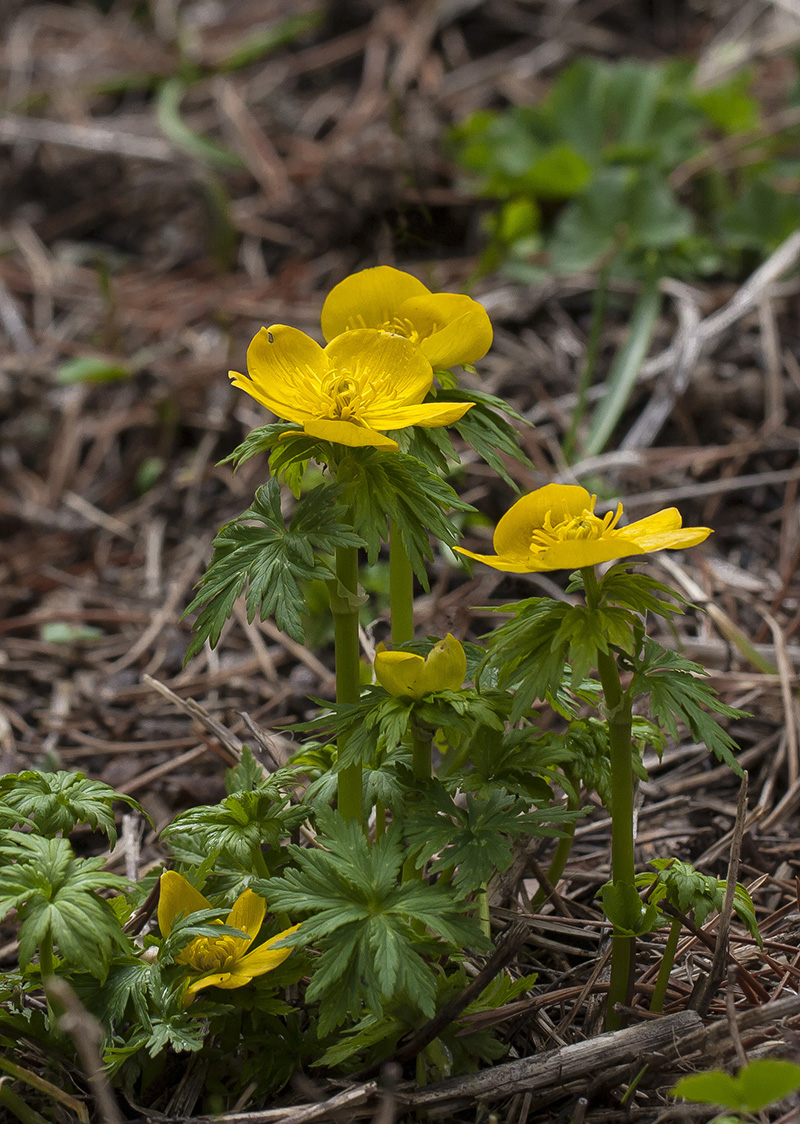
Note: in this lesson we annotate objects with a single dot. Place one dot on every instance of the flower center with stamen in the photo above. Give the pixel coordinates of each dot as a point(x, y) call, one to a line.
point(207, 954)
point(350, 393)
point(585, 526)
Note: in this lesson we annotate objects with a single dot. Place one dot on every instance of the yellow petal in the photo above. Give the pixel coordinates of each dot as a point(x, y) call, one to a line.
point(453, 329)
point(664, 531)
point(427, 414)
point(348, 433)
point(398, 672)
point(247, 914)
point(445, 667)
point(369, 299)
point(512, 536)
point(177, 896)
point(217, 979)
point(286, 369)
point(266, 956)
point(507, 563)
point(572, 554)
point(392, 366)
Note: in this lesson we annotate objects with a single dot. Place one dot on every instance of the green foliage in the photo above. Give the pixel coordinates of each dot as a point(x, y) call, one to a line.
point(382, 486)
point(57, 802)
point(239, 829)
point(605, 145)
point(376, 934)
point(258, 553)
point(56, 899)
point(689, 891)
point(476, 839)
point(630, 916)
point(757, 1085)
point(678, 693)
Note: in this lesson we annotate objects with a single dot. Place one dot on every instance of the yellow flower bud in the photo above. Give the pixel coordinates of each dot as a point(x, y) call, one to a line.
point(407, 675)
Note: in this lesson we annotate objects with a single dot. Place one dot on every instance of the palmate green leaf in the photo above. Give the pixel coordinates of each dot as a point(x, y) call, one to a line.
point(476, 839)
point(487, 431)
point(243, 824)
point(56, 802)
point(362, 918)
point(692, 892)
point(521, 651)
point(381, 486)
point(678, 693)
point(257, 552)
point(635, 590)
point(54, 894)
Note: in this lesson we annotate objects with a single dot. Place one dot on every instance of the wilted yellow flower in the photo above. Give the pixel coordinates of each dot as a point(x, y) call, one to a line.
point(555, 528)
point(449, 328)
point(363, 382)
point(220, 961)
point(407, 675)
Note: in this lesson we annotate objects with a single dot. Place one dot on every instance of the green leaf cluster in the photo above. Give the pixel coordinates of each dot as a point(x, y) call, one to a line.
point(679, 694)
point(689, 891)
point(258, 553)
point(377, 936)
point(475, 838)
point(56, 802)
point(381, 487)
point(56, 898)
point(604, 145)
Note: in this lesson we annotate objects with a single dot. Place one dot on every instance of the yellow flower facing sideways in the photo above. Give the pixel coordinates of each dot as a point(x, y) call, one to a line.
point(407, 675)
point(450, 329)
point(225, 961)
point(555, 528)
point(362, 383)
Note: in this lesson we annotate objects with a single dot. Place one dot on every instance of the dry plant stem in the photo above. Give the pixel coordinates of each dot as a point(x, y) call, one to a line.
point(620, 722)
point(348, 682)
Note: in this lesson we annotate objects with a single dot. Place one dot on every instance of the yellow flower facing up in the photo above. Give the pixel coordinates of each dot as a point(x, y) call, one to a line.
point(407, 675)
point(450, 329)
point(362, 383)
point(225, 961)
point(555, 528)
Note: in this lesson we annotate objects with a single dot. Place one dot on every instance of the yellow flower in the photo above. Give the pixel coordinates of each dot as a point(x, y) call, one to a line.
point(555, 528)
point(407, 675)
point(361, 383)
point(449, 328)
point(220, 961)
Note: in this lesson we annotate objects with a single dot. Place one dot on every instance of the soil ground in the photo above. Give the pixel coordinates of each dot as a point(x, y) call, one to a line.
point(118, 245)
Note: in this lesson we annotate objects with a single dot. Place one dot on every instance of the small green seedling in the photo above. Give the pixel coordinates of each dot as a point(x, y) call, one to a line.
point(758, 1085)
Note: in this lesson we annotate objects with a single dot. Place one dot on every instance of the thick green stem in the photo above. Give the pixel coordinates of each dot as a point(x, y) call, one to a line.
point(344, 605)
point(401, 588)
point(620, 722)
point(46, 959)
point(668, 959)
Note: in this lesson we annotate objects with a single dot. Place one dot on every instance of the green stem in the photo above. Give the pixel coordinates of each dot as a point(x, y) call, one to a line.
point(46, 959)
point(592, 350)
point(421, 757)
point(344, 605)
point(559, 859)
point(401, 588)
point(623, 868)
point(667, 960)
point(483, 911)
